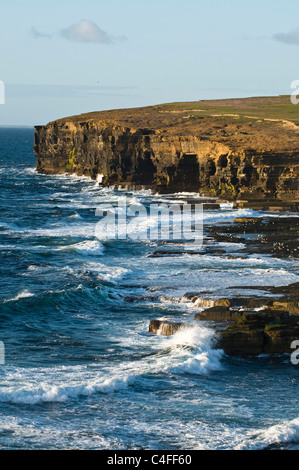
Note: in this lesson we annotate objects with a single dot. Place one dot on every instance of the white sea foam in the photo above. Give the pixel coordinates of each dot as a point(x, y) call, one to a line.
point(282, 433)
point(87, 247)
point(33, 267)
point(22, 295)
point(41, 431)
point(45, 392)
point(193, 350)
point(189, 351)
point(227, 213)
point(107, 273)
point(75, 216)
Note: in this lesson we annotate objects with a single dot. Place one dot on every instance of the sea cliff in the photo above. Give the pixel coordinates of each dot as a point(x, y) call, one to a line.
point(240, 150)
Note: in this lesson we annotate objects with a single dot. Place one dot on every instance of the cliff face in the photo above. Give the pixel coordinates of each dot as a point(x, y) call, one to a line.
point(218, 155)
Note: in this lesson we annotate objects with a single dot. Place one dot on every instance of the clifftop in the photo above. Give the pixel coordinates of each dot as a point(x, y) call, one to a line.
point(261, 123)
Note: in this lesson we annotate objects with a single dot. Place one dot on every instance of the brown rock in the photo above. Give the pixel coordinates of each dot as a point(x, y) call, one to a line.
point(242, 343)
point(217, 314)
point(164, 328)
point(278, 339)
point(246, 220)
point(290, 306)
point(222, 303)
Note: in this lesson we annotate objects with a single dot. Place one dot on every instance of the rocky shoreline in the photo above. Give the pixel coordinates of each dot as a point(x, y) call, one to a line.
point(245, 326)
point(243, 151)
point(266, 322)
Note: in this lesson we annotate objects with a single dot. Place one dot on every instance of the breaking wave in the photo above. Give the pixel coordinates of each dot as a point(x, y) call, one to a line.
point(87, 247)
point(188, 351)
point(282, 433)
point(22, 295)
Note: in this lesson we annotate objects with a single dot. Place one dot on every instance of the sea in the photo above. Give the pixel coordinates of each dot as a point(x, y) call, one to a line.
point(80, 369)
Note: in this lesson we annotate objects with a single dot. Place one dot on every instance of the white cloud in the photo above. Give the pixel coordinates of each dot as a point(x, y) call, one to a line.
point(38, 34)
point(288, 38)
point(86, 31)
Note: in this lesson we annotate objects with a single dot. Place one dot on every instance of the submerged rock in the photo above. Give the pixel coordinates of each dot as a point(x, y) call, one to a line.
point(276, 236)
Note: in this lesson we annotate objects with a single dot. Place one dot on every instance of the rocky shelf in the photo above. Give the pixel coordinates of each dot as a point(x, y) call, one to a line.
point(245, 326)
point(242, 150)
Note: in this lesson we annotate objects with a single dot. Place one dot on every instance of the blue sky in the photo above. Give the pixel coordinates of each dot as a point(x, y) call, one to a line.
point(61, 58)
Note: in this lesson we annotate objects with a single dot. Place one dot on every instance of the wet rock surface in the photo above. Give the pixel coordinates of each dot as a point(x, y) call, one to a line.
point(165, 328)
point(273, 235)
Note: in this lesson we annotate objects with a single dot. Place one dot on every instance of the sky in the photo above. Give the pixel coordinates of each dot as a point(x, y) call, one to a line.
point(62, 58)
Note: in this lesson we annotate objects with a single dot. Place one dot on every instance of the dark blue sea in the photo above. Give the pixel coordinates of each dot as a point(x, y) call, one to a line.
point(81, 370)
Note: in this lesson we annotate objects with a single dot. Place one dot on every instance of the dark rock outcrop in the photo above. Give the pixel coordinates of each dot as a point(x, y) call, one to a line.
point(260, 333)
point(217, 314)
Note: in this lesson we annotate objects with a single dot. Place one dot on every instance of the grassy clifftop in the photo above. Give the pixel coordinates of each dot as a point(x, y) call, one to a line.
point(279, 107)
point(272, 108)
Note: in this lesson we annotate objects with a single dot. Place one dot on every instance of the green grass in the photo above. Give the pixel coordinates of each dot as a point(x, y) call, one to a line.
point(279, 107)
point(275, 107)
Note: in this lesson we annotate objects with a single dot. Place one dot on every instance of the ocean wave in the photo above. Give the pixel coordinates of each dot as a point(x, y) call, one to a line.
point(87, 247)
point(107, 273)
point(22, 295)
point(83, 230)
point(5, 226)
point(188, 351)
point(282, 433)
point(46, 393)
point(193, 351)
point(61, 436)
